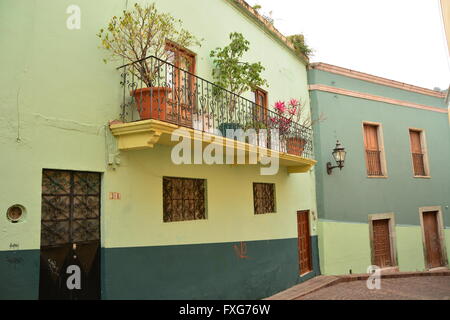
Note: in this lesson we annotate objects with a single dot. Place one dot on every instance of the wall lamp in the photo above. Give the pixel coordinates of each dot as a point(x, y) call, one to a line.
point(339, 156)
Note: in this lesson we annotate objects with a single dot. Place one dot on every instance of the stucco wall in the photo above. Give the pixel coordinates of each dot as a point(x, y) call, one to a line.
point(57, 98)
point(346, 197)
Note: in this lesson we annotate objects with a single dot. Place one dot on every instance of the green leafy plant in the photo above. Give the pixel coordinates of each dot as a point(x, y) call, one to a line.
point(142, 32)
point(298, 41)
point(231, 72)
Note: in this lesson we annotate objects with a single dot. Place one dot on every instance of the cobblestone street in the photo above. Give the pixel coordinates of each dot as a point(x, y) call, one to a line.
point(411, 288)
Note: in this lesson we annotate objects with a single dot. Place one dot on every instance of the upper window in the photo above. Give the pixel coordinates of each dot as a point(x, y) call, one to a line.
point(260, 111)
point(264, 197)
point(180, 78)
point(418, 153)
point(373, 144)
point(183, 199)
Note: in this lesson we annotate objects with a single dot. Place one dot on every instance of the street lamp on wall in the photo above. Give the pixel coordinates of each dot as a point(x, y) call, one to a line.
point(339, 156)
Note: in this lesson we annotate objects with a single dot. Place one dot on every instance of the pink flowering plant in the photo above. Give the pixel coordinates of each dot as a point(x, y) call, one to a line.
point(288, 113)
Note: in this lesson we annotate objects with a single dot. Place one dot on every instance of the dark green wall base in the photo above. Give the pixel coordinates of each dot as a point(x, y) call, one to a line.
point(19, 274)
point(201, 271)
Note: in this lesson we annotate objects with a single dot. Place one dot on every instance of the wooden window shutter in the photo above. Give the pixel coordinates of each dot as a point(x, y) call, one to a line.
point(417, 153)
point(373, 152)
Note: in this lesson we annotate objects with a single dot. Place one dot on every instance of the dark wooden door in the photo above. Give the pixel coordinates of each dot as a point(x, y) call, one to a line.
point(381, 243)
point(70, 235)
point(304, 242)
point(432, 241)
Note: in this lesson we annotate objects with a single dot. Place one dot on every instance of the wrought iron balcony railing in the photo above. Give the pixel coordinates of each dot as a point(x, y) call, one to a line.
point(171, 94)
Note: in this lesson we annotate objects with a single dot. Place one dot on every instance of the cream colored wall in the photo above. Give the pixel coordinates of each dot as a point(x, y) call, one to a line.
point(137, 219)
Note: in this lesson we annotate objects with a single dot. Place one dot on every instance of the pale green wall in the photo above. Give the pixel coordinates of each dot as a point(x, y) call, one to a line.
point(346, 245)
point(343, 246)
point(230, 214)
point(410, 248)
point(59, 95)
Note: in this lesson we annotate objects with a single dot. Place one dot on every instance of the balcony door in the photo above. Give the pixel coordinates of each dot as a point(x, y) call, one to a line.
point(182, 98)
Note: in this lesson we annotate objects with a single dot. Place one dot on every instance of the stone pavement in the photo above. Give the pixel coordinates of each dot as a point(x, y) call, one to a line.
point(394, 286)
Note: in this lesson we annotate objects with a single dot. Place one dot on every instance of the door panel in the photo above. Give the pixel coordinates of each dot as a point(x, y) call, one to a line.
point(382, 243)
point(304, 242)
point(432, 241)
point(70, 234)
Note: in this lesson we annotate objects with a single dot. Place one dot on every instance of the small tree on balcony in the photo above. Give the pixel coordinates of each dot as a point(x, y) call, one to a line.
point(142, 32)
point(231, 72)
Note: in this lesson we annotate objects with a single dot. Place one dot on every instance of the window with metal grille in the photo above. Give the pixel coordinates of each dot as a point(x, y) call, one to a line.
point(264, 197)
point(183, 199)
point(373, 150)
point(417, 153)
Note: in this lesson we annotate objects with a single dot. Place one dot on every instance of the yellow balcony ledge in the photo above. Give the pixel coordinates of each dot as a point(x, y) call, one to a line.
point(146, 133)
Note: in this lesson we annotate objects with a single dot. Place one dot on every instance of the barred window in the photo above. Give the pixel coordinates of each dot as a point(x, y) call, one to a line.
point(183, 199)
point(264, 197)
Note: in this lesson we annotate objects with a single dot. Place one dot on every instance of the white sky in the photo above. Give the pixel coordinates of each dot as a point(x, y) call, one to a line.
point(401, 40)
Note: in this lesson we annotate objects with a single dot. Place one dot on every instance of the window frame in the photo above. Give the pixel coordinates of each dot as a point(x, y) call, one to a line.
point(424, 149)
point(274, 192)
point(265, 106)
point(380, 138)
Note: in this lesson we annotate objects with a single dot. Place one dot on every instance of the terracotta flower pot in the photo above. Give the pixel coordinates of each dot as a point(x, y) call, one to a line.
point(152, 102)
point(295, 145)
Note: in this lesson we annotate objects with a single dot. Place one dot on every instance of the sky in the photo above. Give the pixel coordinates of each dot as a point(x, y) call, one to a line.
point(401, 40)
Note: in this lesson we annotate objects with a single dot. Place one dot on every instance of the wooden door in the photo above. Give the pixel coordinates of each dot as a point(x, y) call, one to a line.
point(70, 235)
point(382, 250)
point(304, 242)
point(432, 240)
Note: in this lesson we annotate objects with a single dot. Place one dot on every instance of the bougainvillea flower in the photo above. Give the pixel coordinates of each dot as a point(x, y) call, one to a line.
point(280, 106)
point(293, 102)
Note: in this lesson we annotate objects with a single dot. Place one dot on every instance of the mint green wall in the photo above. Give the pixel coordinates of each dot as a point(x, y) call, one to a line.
point(58, 96)
point(349, 195)
point(346, 197)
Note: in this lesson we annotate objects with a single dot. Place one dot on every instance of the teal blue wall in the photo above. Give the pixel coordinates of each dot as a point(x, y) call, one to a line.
point(349, 195)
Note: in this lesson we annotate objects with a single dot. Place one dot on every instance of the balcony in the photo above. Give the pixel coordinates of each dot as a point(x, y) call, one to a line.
point(173, 98)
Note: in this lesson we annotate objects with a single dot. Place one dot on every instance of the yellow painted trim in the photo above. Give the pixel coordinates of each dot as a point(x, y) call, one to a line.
point(146, 133)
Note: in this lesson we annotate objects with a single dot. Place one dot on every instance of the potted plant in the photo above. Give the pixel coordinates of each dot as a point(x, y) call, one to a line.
point(235, 75)
point(136, 35)
point(287, 115)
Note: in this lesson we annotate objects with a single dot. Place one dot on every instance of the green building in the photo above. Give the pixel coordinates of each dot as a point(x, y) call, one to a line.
point(389, 205)
point(89, 189)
